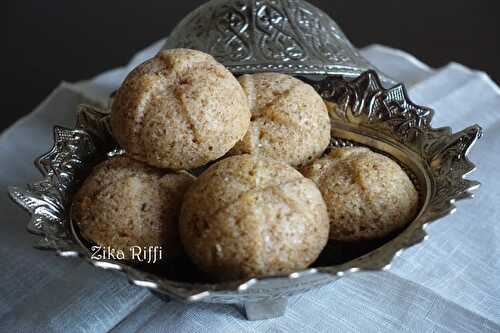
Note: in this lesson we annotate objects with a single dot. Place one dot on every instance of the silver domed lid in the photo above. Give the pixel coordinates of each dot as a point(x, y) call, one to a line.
point(288, 36)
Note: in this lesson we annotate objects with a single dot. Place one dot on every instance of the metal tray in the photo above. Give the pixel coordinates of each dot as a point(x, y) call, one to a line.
point(366, 114)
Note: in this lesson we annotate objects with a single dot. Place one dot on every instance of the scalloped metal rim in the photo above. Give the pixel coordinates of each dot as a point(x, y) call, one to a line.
point(365, 103)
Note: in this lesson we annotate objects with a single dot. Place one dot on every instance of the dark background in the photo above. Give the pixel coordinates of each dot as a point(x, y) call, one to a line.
point(50, 41)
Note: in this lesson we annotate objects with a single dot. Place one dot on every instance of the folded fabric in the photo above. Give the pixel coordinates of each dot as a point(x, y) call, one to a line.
point(450, 282)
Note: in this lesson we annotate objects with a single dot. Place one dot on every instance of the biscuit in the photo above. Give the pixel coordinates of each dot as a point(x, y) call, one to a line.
point(179, 110)
point(125, 203)
point(247, 216)
point(368, 195)
point(289, 121)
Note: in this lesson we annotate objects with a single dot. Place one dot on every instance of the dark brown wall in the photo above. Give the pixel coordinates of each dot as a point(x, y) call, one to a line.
point(50, 41)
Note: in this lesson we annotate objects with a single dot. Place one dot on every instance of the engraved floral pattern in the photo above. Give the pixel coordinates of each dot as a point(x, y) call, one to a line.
point(276, 40)
point(233, 35)
point(250, 36)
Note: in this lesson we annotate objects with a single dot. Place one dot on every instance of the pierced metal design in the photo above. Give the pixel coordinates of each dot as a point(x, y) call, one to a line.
point(362, 112)
point(288, 36)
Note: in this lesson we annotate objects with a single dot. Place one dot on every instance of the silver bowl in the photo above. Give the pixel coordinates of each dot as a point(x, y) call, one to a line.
point(286, 36)
point(364, 113)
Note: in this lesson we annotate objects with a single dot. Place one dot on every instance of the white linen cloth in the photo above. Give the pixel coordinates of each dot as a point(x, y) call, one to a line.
point(451, 282)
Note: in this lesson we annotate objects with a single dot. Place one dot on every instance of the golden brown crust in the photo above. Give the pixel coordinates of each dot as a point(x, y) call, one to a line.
point(368, 195)
point(179, 110)
point(289, 121)
point(125, 203)
point(249, 216)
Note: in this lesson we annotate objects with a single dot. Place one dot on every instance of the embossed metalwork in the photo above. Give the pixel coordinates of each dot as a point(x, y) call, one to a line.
point(288, 36)
point(362, 112)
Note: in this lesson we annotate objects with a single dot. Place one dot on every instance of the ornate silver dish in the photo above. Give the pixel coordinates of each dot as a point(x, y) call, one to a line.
point(287, 36)
point(365, 114)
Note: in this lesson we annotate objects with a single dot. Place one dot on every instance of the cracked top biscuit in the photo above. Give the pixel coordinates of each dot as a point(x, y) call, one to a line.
point(125, 203)
point(179, 110)
point(368, 195)
point(248, 216)
point(289, 121)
